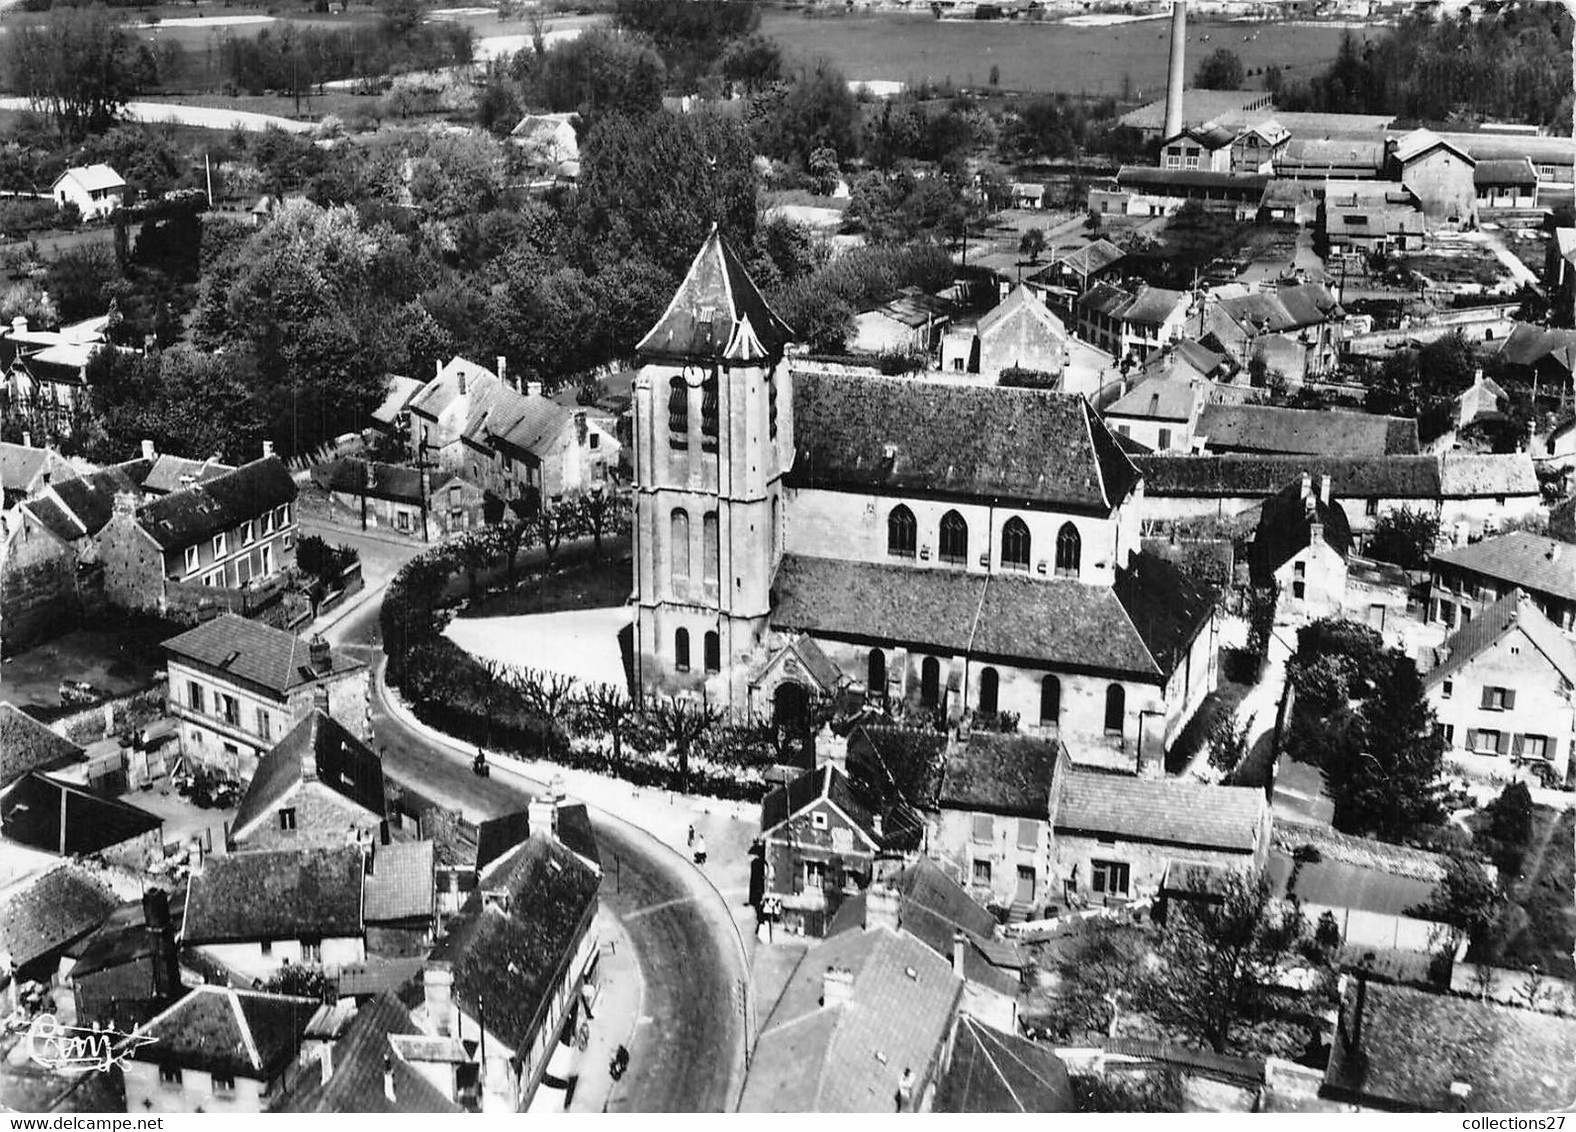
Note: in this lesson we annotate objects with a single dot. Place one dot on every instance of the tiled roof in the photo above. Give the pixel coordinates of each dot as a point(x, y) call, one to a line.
point(1544, 565)
point(526, 423)
point(996, 1072)
point(1514, 610)
point(1331, 153)
point(1249, 185)
point(394, 482)
point(1001, 773)
point(913, 307)
point(399, 884)
point(1022, 300)
point(1505, 171)
point(851, 1057)
point(955, 440)
point(1344, 884)
point(235, 1032)
point(1351, 477)
point(21, 465)
point(444, 388)
point(1172, 811)
point(1483, 145)
point(44, 912)
point(1312, 432)
point(122, 938)
point(511, 960)
point(170, 473)
point(1527, 345)
point(400, 392)
point(37, 806)
point(1415, 144)
point(1092, 257)
point(1286, 527)
point(1470, 476)
point(901, 762)
point(183, 518)
point(717, 313)
point(376, 976)
point(1283, 309)
point(263, 655)
point(357, 1082)
point(827, 782)
point(1198, 106)
point(1165, 606)
point(27, 745)
point(1158, 398)
point(340, 761)
point(53, 518)
point(1418, 1049)
point(275, 894)
point(90, 499)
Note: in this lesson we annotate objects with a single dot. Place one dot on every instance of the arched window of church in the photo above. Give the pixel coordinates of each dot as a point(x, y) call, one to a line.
point(1015, 544)
point(902, 532)
point(990, 686)
point(1069, 550)
point(678, 413)
point(708, 414)
point(875, 681)
point(930, 682)
point(681, 650)
point(1050, 701)
point(708, 547)
point(713, 648)
point(771, 403)
point(954, 539)
point(1115, 708)
point(679, 548)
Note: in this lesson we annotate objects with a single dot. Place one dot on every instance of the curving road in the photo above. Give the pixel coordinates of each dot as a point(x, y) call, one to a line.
point(687, 1052)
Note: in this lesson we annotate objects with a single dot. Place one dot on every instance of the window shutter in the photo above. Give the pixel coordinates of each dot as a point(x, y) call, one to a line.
point(984, 827)
point(1488, 697)
point(1517, 745)
point(1504, 743)
point(1471, 738)
point(1510, 699)
point(1551, 748)
point(1028, 833)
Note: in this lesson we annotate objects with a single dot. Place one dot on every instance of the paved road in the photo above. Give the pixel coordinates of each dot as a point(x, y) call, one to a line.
point(684, 1058)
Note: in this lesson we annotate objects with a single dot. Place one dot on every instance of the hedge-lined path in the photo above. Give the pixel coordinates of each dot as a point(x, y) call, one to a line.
point(693, 954)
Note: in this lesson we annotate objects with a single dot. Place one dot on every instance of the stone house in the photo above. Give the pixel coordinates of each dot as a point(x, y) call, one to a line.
point(129, 969)
point(255, 912)
point(1468, 579)
point(439, 412)
point(1018, 333)
point(318, 787)
point(45, 812)
point(237, 687)
point(1273, 430)
point(1257, 148)
point(25, 471)
point(1503, 687)
point(1115, 836)
point(911, 322)
point(26, 745)
point(1301, 545)
point(1439, 172)
point(38, 581)
point(1208, 147)
point(1297, 326)
point(394, 497)
point(1122, 322)
point(218, 1049)
point(1159, 413)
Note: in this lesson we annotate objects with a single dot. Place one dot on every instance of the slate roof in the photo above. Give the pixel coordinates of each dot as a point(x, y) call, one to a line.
point(183, 518)
point(239, 1033)
point(34, 809)
point(89, 500)
point(340, 761)
point(1542, 564)
point(1250, 186)
point(850, 1057)
point(998, 773)
point(1505, 171)
point(955, 441)
point(1092, 258)
point(42, 913)
point(1415, 1045)
point(1172, 811)
point(27, 745)
point(169, 473)
point(248, 650)
point(1514, 610)
point(1150, 306)
point(1314, 154)
point(357, 1081)
point(802, 792)
point(400, 391)
point(399, 885)
point(717, 313)
point(1210, 135)
point(20, 465)
point(1055, 621)
point(1283, 309)
point(275, 894)
point(1189, 356)
point(1157, 398)
point(992, 1071)
point(1527, 345)
point(511, 959)
point(1286, 528)
point(1270, 430)
point(394, 482)
point(1244, 474)
point(1419, 142)
point(444, 388)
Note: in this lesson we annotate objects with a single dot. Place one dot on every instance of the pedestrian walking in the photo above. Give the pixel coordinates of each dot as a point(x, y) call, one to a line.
point(700, 848)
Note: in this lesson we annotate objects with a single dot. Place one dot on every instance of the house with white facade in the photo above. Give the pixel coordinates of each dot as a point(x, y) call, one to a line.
point(96, 190)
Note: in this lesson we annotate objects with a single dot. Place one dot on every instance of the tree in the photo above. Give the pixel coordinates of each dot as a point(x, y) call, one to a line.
point(682, 723)
point(1406, 536)
point(1158, 1090)
point(812, 109)
point(300, 979)
point(1464, 897)
point(1510, 815)
point(1220, 70)
point(1386, 781)
point(77, 67)
point(1032, 244)
point(610, 710)
point(1215, 960)
point(1099, 970)
point(475, 551)
point(599, 511)
point(1229, 742)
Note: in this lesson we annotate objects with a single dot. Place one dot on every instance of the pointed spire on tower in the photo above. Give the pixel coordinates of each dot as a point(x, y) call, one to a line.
point(717, 313)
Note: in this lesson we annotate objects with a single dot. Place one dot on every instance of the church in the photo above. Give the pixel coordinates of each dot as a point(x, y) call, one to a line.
point(804, 529)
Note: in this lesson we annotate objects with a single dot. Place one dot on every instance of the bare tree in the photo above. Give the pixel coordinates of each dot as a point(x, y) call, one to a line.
point(613, 712)
point(682, 723)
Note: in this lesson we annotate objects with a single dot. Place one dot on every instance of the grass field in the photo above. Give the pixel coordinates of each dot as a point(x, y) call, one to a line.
point(1039, 57)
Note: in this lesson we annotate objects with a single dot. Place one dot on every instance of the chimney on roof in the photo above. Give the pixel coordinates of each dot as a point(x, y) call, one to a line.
point(268, 448)
point(325, 1063)
point(19, 324)
point(542, 812)
point(1307, 485)
point(533, 388)
point(1554, 551)
point(1324, 489)
point(503, 369)
point(148, 452)
point(462, 382)
point(322, 660)
point(960, 944)
point(161, 928)
point(837, 986)
point(905, 1091)
point(27, 439)
point(883, 907)
point(125, 503)
point(388, 1077)
point(437, 995)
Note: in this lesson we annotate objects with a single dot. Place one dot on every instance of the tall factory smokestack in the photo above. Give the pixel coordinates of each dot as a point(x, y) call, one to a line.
point(1178, 70)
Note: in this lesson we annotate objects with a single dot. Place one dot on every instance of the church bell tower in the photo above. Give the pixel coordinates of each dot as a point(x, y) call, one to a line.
point(713, 434)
